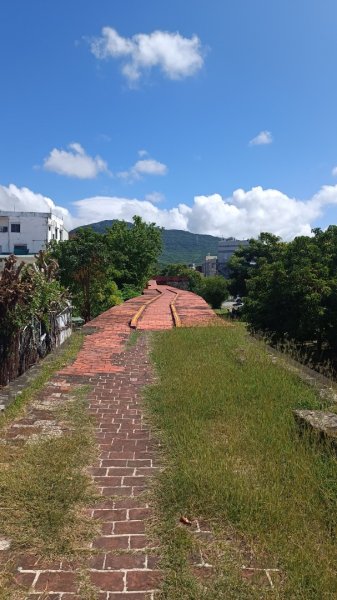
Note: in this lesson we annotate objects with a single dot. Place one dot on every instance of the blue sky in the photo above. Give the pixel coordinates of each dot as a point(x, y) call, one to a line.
point(112, 108)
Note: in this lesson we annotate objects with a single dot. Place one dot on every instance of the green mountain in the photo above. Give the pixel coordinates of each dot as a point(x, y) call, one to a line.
point(178, 246)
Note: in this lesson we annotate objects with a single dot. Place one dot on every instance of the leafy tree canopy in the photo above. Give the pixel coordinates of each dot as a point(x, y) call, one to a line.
point(290, 288)
point(101, 270)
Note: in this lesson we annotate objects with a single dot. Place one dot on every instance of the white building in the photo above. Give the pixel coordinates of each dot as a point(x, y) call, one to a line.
point(25, 233)
point(209, 267)
point(226, 249)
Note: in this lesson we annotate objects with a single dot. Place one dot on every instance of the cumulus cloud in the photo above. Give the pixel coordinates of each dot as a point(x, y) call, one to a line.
point(90, 210)
point(23, 199)
point(263, 138)
point(334, 172)
point(145, 166)
point(74, 163)
point(244, 214)
point(176, 56)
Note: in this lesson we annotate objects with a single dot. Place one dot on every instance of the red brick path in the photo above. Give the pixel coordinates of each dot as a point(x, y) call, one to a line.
point(158, 314)
point(123, 562)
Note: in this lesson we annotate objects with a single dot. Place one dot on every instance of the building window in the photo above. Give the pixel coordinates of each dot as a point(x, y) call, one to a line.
point(61, 235)
point(15, 227)
point(3, 228)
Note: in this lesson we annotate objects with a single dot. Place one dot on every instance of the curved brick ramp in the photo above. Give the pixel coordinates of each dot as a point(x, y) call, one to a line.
point(158, 314)
point(123, 562)
point(191, 309)
point(194, 310)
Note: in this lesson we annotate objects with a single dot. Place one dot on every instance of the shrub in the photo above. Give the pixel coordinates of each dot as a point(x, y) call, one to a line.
point(214, 290)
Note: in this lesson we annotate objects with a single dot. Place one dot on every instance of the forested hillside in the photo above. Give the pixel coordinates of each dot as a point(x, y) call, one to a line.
point(178, 246)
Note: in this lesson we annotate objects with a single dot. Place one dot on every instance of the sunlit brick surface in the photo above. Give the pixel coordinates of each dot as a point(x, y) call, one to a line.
point(122, 561)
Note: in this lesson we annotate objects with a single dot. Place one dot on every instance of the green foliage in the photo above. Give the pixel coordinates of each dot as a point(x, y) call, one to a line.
point(178, 246)
point(101, 270)
point(291, 288)
point(133, 251)
point(105, 295)
point(194, 277)
point(85, 269)
point(28, 292)
point(214, 290)
point(247, 259)
point(130, 291)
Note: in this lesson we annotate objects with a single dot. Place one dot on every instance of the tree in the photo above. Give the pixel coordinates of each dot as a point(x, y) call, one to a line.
point(85, 269)
point(133, 251)
point(214, 290)
point(247, 259)
point(293, 293)
point(102, 270)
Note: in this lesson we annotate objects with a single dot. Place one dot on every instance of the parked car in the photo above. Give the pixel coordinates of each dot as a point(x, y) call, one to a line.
point(238, 301)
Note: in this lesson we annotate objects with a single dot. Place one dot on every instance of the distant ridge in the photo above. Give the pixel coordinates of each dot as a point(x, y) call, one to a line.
point(178, 246)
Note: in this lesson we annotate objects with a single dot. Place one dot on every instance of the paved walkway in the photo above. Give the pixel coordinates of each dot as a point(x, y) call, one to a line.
point(123, 564)
point(158, 314)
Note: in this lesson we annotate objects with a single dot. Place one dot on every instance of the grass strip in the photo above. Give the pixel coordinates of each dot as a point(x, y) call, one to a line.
point(234, 458)
point(50, 365)
point(132, 339)
point(43, 486)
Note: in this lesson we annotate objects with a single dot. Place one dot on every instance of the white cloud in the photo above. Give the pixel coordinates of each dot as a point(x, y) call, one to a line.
point(155, 197)
point(75, 163)
point(145, 166)
point(23, 199)
point(90, 210)
point(176, 56)
point(263, 138)
point(334, 172)
point(244, 214)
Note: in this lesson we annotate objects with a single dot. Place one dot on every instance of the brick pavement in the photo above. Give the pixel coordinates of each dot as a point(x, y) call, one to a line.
point(122, 559)
point(158, 314)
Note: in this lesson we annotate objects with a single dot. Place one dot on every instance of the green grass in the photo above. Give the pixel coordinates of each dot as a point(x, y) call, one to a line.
point(50, 365)
point(234, 457)
point(43, 486)
point(132, 339)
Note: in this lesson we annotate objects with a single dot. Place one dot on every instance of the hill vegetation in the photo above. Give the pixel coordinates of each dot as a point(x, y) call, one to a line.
point(178, 246)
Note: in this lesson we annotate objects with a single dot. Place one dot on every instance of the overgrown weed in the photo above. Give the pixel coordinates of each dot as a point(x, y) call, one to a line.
point(234, 458)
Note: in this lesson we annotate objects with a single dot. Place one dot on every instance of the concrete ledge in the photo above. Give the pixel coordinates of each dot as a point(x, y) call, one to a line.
point(324, 424)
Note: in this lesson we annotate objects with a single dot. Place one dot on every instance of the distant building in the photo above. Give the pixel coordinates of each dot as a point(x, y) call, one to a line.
point(26, 233)
point(209, 266)
point(226, 249)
